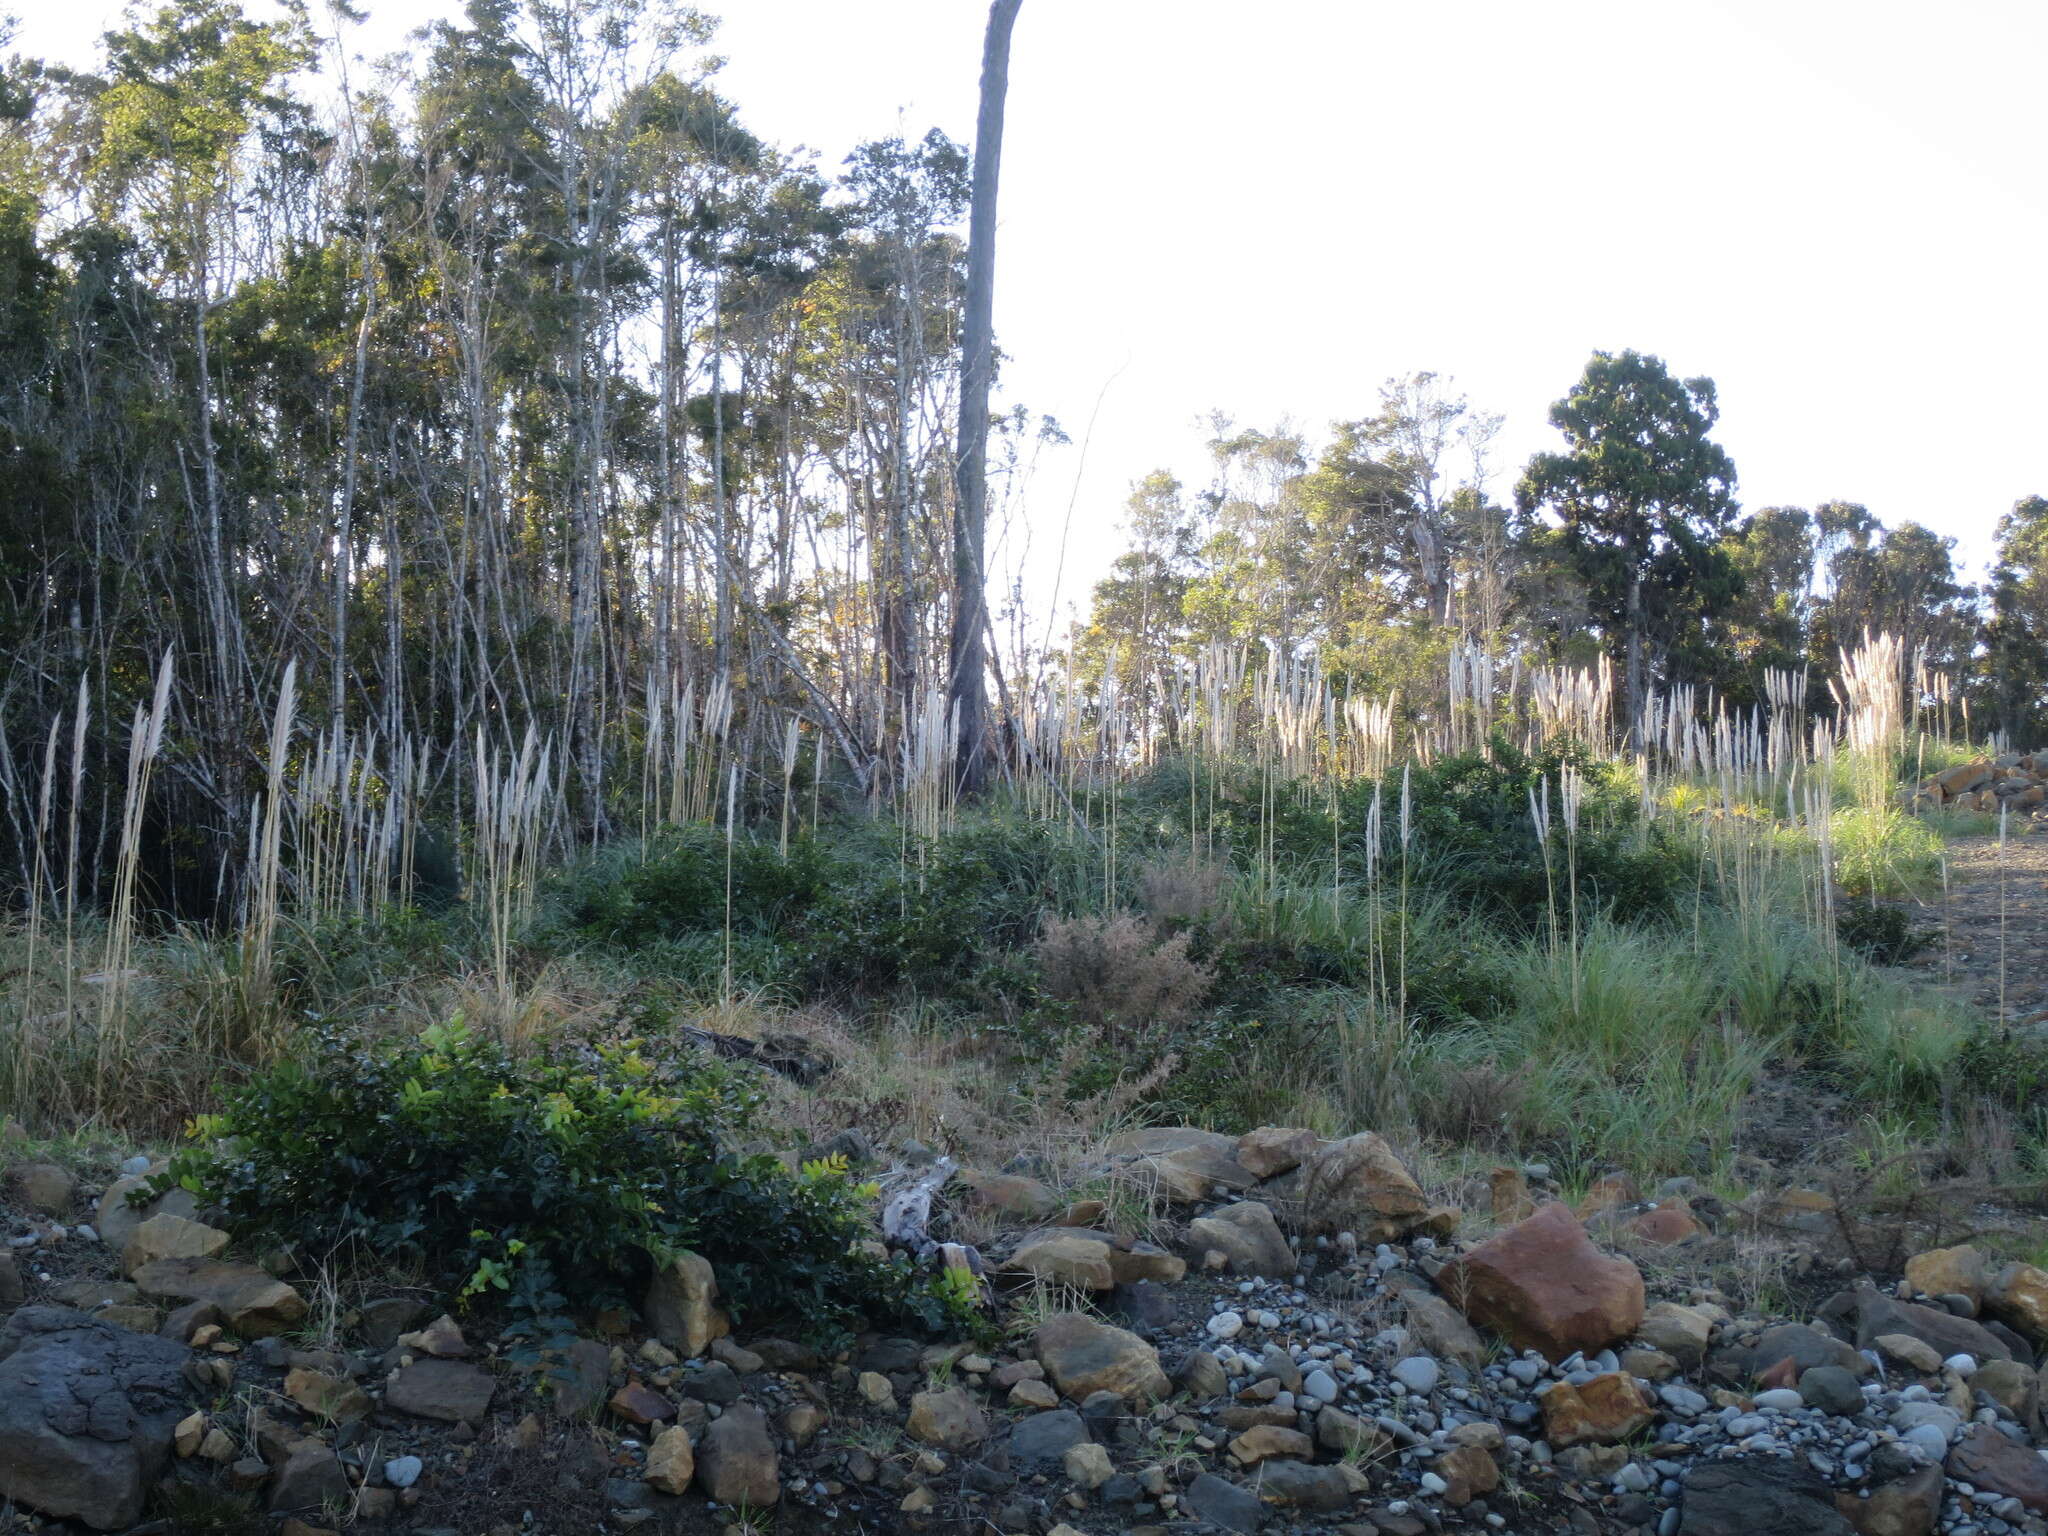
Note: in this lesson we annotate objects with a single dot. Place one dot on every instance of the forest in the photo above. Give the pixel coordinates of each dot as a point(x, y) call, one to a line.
point(530, 774)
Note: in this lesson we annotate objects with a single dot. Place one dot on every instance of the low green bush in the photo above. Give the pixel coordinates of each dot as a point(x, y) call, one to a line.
point(544, 1182)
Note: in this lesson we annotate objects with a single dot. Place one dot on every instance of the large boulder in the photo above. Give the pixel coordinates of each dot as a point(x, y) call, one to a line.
point(1356, 1185)
point(736, 1459)
point(681, 1305)
point(168, 1236)
point(1248, 1238)
point(1958, 1271)
point(1544, 1286)
point(1084, 1356)
point(126, 1205)
point(255, 1304)
point(2018, 1297)
point(1756, 1495)
point(951, 1420)
point(1091, 1261)
point(87, 1415)
point(1272, 1150)
point(1986, 1459)
point(1182, 1163)
point(1940, 1329)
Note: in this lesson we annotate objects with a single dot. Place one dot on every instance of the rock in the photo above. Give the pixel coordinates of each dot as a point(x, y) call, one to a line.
point(1359, 1185)
point(1084, 1356)
point(141, 1319)
point(254, 1304)
point(1264, 1440)
point(638, 1403)
point(1796, 1210)
point(217, 1446)
point(1606, 1193)
point(1663, 1224)
point(1006, 1194)
point(1276, 1149)
point(402, 1472)
point(44, 1188)
point(1508, 1189)
point(165, 1236)
point(670, 1461)
point(185, 1437)
point(333, 1398)
point(875, 1390)
point(1297, 1485)
point(1223, 1504)
point(1937, 1327)
point(1909, 1352)
point(310, 1478)
point(736, 1460)
point(681, 1305)
point(383, 1320)
point(1942, 1271)
point(1247, 1236)
point(441, 1338)
point(1609, 1408)
point(1044, 1438)
point(116, 1218)
point(951, 1419)
point(2018, 1297)
point(12, 1293)
point(577, 1378)
point(1033, 1395)
point(1544, 1286)
point(187, 1320)
point(1202, 1376)
point(1088, 1465)
point(446, 1390)
point(1678, 1331)
point(1831, 1389)
point(2014, 1387)
point(1469, 1472)
point(802, 1421)
point(1349, 1435)
point(1751, 1496)
point(1091, 1261)
point(1908, 1506)
point(1441, 1329)
point(1804, 1347)
point(1183, 1163)
point(1418, 1373)
point(1985, 1458)
point(87, 1415)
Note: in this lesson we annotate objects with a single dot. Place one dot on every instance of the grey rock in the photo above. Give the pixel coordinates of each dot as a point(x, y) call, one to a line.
point(1210, 1498)
point(1043, 1438)
point(442, 1389)
point(1743, 1498)
point(86, 1414)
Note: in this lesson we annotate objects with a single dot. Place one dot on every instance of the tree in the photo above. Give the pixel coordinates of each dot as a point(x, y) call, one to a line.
point(967, 686)
point(2016, 632)
point(1642, 495)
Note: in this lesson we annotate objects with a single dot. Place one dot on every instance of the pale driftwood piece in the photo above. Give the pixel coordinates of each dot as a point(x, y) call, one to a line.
point(907, 1212)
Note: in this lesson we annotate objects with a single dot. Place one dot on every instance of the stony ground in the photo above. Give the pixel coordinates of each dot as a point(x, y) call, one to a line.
point(1310, 1346)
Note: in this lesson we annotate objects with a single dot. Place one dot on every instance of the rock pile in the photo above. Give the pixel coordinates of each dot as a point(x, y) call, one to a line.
point(2015, 779)
point(1253, 1369)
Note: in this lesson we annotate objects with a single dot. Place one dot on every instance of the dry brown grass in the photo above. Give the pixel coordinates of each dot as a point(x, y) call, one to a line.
point(1119, 979)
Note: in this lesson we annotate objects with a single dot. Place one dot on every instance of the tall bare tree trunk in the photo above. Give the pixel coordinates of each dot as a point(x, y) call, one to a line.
point(967, 689)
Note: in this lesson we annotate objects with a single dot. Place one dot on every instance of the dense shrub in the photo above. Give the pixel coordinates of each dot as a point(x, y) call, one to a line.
point(1884, 934)
point(856, 909)
point(545, 1182)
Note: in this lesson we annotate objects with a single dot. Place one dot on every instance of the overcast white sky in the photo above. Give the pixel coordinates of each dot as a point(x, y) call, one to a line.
point(1835, 208)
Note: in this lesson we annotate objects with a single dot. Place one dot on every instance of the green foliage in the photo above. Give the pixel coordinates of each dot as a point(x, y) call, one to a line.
point(1883, 934)
point(542, 1183)
point(854, 910)
point(1885, 853)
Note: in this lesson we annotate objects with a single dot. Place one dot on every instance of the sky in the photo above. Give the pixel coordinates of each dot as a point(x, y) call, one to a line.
point(1834, 208)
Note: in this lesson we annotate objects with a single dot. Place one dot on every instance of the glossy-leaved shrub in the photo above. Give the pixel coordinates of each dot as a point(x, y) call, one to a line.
point(549, 1183)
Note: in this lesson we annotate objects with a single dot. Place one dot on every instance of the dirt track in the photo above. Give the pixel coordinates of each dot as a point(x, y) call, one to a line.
point(1978, 946)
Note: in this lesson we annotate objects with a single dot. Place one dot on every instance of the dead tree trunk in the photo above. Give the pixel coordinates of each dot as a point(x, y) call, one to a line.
point(967, 687)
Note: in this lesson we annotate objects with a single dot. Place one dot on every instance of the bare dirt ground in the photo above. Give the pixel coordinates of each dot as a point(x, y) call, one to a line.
point(1991, 951)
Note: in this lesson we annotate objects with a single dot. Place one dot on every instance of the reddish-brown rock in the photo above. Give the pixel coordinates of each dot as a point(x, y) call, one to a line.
point(1608, 1408)
point(1670, 1221)
point(1276, 1149)
point(1607, 1192)
point(1544, 1286)
point(1986, 1459)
